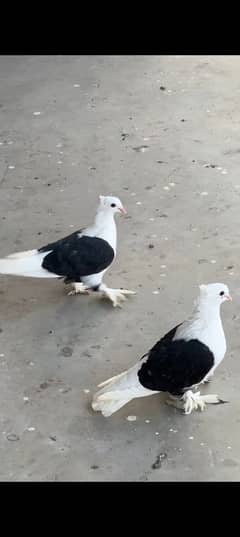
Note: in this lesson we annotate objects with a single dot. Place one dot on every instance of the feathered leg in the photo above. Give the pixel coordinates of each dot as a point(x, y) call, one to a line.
point(193, 401)
point(117, 296)
point(79, 288)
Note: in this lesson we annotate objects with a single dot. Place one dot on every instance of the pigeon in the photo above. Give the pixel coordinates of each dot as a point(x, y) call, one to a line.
point(178, 362)
point(81, 258)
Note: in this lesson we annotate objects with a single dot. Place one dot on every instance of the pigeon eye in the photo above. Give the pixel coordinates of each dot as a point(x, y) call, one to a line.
point(222, 293)
point(113, 204)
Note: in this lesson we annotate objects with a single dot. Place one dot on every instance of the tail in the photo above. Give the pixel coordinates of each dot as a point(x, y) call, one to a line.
point(27, 264)
point(118, 391)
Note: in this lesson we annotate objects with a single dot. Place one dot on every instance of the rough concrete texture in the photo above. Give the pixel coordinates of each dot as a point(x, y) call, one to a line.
point(54, 347)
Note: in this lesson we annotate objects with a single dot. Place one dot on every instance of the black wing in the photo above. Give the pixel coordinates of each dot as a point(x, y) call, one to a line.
point(173, 366)
point(74, 257)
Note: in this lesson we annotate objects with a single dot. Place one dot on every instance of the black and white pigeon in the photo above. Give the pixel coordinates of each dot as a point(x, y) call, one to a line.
point(181, 360)
point(81, 258)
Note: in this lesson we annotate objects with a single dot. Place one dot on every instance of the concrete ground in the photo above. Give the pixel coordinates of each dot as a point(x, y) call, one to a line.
point(182, 192)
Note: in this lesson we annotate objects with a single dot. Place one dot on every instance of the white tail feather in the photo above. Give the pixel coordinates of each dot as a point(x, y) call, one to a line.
point(28, 264)
point(118, 391)
point(108, 408)
point(20, 255)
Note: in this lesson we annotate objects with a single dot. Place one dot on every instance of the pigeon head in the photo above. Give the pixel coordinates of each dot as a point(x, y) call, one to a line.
point(112, 204)
point(215, 292)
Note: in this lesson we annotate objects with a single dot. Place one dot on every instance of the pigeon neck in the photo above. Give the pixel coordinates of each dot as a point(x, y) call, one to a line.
point(106, 227)
point(104, 217)
point(206, 309)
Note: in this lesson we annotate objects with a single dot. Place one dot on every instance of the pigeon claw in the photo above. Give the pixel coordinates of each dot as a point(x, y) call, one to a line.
point(79, 288)
point(117, 296)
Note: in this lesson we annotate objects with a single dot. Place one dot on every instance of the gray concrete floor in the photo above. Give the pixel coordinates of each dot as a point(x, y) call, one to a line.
point(52, 190)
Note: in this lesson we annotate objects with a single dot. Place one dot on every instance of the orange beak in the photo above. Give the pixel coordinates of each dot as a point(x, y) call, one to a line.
point(122, 210)
point(228, 297)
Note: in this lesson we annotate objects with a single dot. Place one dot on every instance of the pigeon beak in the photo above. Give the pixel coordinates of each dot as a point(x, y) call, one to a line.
point(228, 297)
point(122, 210)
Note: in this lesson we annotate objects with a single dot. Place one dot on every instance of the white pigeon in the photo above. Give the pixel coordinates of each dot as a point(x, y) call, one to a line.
point(81, 258)
point(178, 362)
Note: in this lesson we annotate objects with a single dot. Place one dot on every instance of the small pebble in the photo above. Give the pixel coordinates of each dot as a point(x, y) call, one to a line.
point(67, 351)
point(157, 434)
point(166, 238)
point(155, 292)
point(44, 385)
point(163, 266)
point(2, 355)
point(213, 261)
point(133, 193)
point(191, 438)
point(204, 194)
point(219, 168)
point(229, 447)
point(166, 188)
point(147, 421)
point(224, 172)
point(30, 429)
point(10, 143)
point(131, 418)
point(26, 398)
point(76, 85)
point(172, 184)
point(12, 437)
point(86, 391)
point(59, 161)
point(36, 113)
point(31, 363)
point(151, 219)
point(202, 444)
point(11, 167)
point(59, 145)
point(138, 203)
point(141, 148)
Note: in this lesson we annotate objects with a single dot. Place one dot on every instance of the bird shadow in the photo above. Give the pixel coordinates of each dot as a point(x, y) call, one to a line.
point(20, 297)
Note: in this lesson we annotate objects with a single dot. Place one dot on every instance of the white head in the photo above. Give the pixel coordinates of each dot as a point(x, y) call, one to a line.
point(111, 204)
point(215, 293)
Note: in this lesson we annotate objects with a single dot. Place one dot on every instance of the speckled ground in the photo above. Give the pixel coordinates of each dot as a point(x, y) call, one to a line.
point(162, 133)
